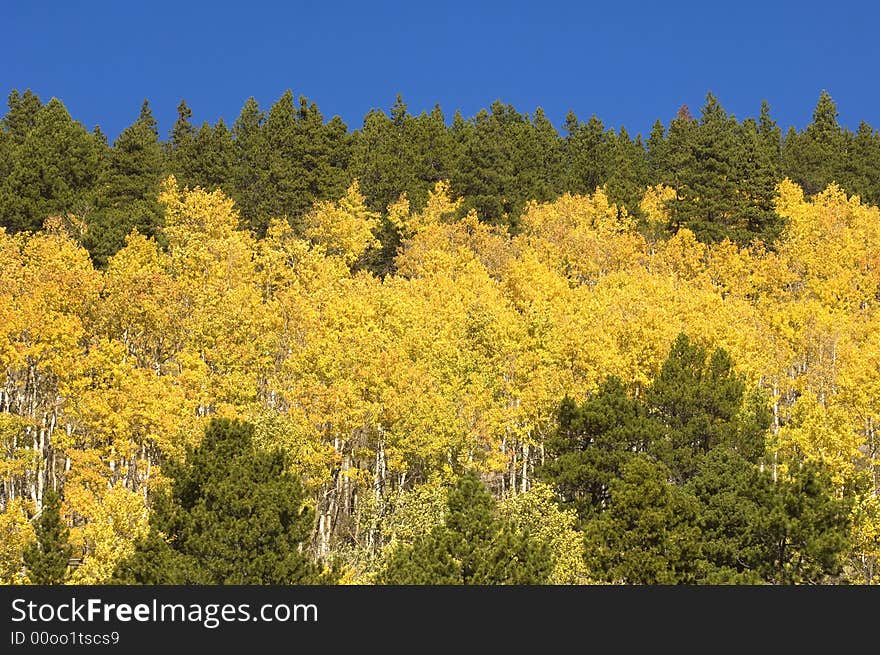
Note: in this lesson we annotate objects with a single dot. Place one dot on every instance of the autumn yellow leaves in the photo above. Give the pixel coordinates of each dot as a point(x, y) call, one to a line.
point(375, 384)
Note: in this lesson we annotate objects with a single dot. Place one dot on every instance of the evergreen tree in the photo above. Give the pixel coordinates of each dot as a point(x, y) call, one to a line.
point(807, 529)
point(699, 400)
point(676, 162)
point(129, 190)
point(178, 149)
point(724, 174)
point(385, 159)
point(862, 174)
point(628, 172)
point(758, 173)
point(816, 157)
point(770, 139)
point(183, 131)
point(54, 171)
point(708, 197)
point(248, 176)
point(669, 488)
point(280, 167)
point(22, 115)
point(213, 156)
point(649, 533)
point(47, 559)
point(234, 515)
point(587, 154)
point(793, 531)
point(493, 172)
point(288, 162)
point(734, 497)
point(473, 546)
point(658, 167)
point(317, 178)
point(435, 150)
point(546, 157)
point(592, 443)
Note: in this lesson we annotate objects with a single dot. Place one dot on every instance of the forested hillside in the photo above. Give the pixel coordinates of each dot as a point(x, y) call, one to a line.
point(471, 351)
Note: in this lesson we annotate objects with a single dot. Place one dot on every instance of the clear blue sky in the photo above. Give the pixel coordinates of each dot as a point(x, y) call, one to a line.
point(627, 62)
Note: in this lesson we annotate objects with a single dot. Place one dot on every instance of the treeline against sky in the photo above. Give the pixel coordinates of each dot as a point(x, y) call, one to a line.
point(277, 163)
point(258, 370)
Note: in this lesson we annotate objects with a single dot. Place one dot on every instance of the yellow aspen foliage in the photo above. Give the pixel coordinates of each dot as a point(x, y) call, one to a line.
point(582, 237)
point(398, 214)
point(441, 248)
point(375, 387)
point(196, 218)
point(655, 208)
point(833, 245)
point(822, 432)
point(866, 533)
point(683, 258)
point(537, 511)
point(345, 228)
point(114, 522)
point(16, 532)
point(142, 305)
point(440, 207)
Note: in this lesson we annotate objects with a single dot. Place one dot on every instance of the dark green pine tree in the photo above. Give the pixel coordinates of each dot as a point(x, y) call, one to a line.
point(592, 443)
point(384, 158)
point(22, 115)
point(699, 399)
point(280, 169)
point(862, 174)
point(675, 163)
point(14, 128)
point(129, 190)
point(587, 154)
point(770, 139)
point(669, 486)
point(734, 497)
point(493, 172)
point(399, 154)
point(183, 131)
point(54, 171)
point(757, 174)
point(649, 532)
point(435, 152)
point(100, 137)
point(670, 489)
point(817, 156)
point(807, 529)
point(234, 515)
point(545, 154)
point(794, 531)
point(47, 559)
point(658, 167)
point(340, 145)
point(212, 157)
point(696, 403)
point(628, 172)
point(473, 546)
point(247, 178)
point(7, 160)
point(287, 162)
point(729, 524)
point(321, 148)
point(709, 201)
point(178, 148)
point(204, 157)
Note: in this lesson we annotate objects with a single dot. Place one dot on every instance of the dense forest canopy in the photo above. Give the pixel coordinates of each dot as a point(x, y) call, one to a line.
point(278, 162)
point(438, 351)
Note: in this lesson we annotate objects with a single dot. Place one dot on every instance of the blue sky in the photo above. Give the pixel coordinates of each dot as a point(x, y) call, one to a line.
point(627, 62)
